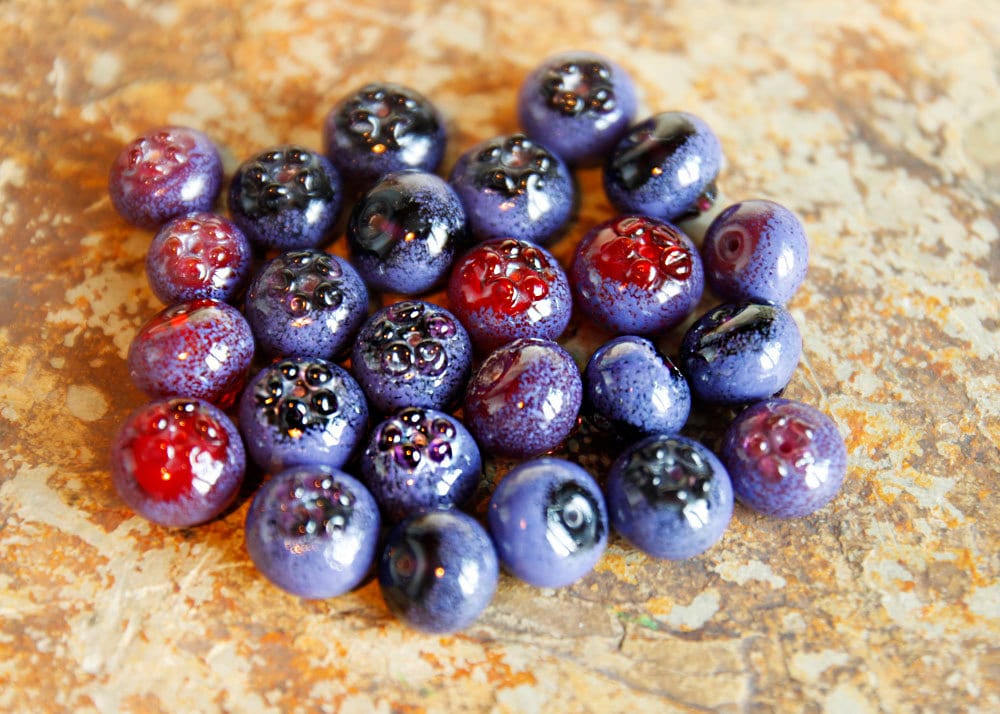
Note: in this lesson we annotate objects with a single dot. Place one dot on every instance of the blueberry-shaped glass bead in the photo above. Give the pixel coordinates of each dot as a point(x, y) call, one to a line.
point(438, 571)
point(302, 411)
point(306, 303)
point(669, 496)
point(313, 531)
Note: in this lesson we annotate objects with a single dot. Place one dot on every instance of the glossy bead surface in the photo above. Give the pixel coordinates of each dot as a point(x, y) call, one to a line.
point(420, 460)
point(787, 459)
point(313, 531)
point(201, 349)
point(524, 398)
point(306, 303)
point(636, 275)
point(756, 250)
point(286, 197)
point(405, 231)
point(740, 352)
point(164, 173)
point(549, 522)
point(412, 353)
point(669, 496)
point(178, 462)
point(578, 104)
point(302, 411)
point(381, 128)
point(438, 571)
point(200, 255)
point(629, 382)
point(665, 167)
point(513, 187)
point(505, 289)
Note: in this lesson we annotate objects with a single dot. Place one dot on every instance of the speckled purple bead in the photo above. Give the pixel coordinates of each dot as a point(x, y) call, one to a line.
point(306, 303)
point(381, 128)
point(286, 197)
point(405, 231)
point(636, 275)
point(513, 187)
point(578, 104)
point(302, 411)
point(524, 399)
point(549, 522)
point(420, 460)
point(740, 352)
point(438, 571)
point(164, 173)
point(756, 250)
point(197, 349)
point(313, 531)
point(412, 353)
point(629, 382)
point(787, 459)
point(669, 496)
point(665, 167)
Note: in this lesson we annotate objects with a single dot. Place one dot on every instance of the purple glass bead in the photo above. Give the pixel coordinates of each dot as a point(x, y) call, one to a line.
point(302, 411)
point(412, 353)
point(629, 382)
point(405, 231)
point(199, 349)
point(164, 173)
point(740, 352)
point(524, 399)
point(549, 522)
point(200, 255)
point(669, 496)
point(438, 571)
point(286, 197)
point(505, 289)
point(313, 531)
point(306, 303)
point(578, 104)
point(420, 460)
point(756, 250)
point(513, 187)
point(787, 459)
point(636, 275)
point(178, 462)
point(665, 168)
point(381, 128)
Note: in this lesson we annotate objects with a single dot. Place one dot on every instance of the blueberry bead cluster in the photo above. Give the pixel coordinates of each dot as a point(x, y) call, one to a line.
point(379, 397)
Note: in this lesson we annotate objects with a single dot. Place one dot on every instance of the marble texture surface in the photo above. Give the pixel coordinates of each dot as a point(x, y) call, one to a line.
point(878, 122)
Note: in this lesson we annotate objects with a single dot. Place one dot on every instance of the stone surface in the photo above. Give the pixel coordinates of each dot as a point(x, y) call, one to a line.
point(879, 124)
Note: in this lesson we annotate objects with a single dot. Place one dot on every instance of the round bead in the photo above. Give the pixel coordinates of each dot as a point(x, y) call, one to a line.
point(787, 459)
point(438, 571)
point(306, 303)
point(412, 353)
point(420, 460)
point(313, 531)
point(513, 187)
point(505, 289)
point(164, 173)
point(636, 275)
point(524, 399)
point(756, 250)
point(302, 411)
point(669, 496)
point(201, 349)
point(178, 462)
point(740, 352)
point(549, 522)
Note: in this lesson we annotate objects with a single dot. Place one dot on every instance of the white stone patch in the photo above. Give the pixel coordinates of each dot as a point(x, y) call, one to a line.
point(846, 699)
point(742, 573)
point(57, 77)
point(809, 666)
point(985, 602)
point(86, 402)
point(694, 616)
point(104, 69)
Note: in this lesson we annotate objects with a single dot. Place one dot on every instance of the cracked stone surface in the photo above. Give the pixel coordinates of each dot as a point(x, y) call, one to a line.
point(879, 124)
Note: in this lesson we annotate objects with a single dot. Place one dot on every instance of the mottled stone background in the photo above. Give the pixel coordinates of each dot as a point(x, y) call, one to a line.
point(879, 122)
